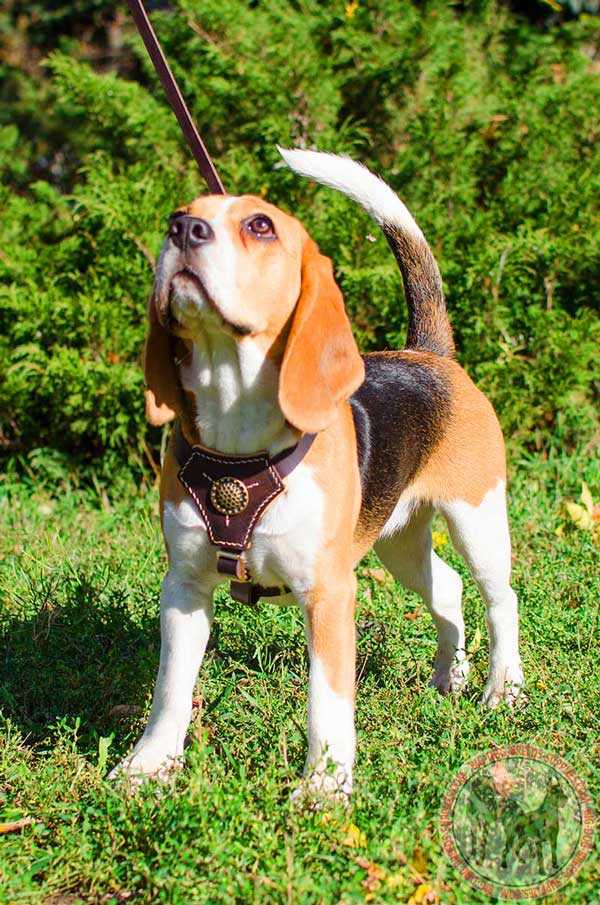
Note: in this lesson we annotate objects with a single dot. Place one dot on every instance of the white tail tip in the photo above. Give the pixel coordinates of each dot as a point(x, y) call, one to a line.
point(355, 180)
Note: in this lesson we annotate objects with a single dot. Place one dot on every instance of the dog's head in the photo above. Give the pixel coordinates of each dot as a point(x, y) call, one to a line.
point(242, 267)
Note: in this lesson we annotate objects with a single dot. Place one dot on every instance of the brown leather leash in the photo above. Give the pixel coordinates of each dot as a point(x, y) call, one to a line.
point(178, 105)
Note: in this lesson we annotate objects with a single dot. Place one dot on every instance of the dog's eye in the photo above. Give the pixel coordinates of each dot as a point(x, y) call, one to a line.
point(261, 226)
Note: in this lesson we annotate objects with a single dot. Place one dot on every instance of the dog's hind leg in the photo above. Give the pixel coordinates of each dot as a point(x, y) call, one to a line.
point(409, 555)
point(480, 534)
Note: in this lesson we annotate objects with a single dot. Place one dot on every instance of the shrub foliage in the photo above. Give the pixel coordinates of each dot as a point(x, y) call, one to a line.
point(485, 123)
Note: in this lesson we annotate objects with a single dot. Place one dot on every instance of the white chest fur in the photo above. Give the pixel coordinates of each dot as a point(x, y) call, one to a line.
point(235, 388)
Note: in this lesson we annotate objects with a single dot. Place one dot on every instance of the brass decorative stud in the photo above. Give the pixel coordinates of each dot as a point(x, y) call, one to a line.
point(229, 496)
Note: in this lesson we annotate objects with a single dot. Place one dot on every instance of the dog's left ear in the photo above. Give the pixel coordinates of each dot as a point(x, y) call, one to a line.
point(321, 364)
point(162, 384)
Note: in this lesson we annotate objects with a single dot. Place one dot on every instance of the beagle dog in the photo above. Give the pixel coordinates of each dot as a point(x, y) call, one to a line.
point(250, 349)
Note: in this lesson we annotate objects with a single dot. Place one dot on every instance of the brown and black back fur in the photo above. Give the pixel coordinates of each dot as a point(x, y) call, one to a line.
point(399, 413)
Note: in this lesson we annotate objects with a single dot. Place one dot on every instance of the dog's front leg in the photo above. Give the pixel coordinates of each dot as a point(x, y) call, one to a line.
point(330, 630)
point(185, 619)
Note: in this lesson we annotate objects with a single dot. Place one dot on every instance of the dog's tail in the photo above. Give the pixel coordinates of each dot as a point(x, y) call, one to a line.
point(428, 325)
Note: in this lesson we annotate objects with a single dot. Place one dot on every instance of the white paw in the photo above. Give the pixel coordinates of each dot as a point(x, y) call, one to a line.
point(147, 761)
point(451, 678)
point(504, 685)
point(323, 786)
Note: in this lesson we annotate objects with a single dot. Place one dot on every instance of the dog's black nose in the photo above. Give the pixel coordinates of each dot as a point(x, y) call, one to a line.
point(189, 232)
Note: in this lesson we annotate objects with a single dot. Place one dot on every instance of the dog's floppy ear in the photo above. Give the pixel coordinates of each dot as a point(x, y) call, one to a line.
point(162, 386)
point(321, 364)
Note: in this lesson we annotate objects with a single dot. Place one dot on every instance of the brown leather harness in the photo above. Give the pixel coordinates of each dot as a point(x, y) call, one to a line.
point(232, 493)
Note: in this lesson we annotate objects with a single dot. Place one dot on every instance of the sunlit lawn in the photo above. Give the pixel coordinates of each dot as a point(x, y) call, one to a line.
point(79, 583)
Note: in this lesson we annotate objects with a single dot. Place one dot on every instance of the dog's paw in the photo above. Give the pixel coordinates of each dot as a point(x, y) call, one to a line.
point(146, 762)
point(505, 685)
point(321, 788)
point(451, 678)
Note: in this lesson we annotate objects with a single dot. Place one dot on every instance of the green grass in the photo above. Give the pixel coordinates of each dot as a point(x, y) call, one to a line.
point(79, 584)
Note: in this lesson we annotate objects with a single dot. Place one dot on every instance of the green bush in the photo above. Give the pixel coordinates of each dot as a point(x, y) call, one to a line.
point(485, 124)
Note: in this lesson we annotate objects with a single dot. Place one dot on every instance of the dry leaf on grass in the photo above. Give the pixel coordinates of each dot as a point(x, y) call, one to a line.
point(579, 515)
point(423, 895)
point(375, 874)
point(418, 865)
point(353, 836)
point(122, 711)
point(585, 514)
point(378, 575)
point(475, 642)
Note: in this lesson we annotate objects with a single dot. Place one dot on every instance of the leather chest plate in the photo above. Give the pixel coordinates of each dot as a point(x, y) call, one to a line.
point(230, 504)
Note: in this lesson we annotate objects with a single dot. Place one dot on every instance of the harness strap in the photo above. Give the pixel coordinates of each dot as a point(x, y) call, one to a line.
point(286, 461)
point(178, 105)
point(249, 593)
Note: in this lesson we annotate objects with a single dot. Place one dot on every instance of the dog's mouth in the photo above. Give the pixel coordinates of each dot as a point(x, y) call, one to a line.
point(191, 278)
point(186, 289)
point(187, 295)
